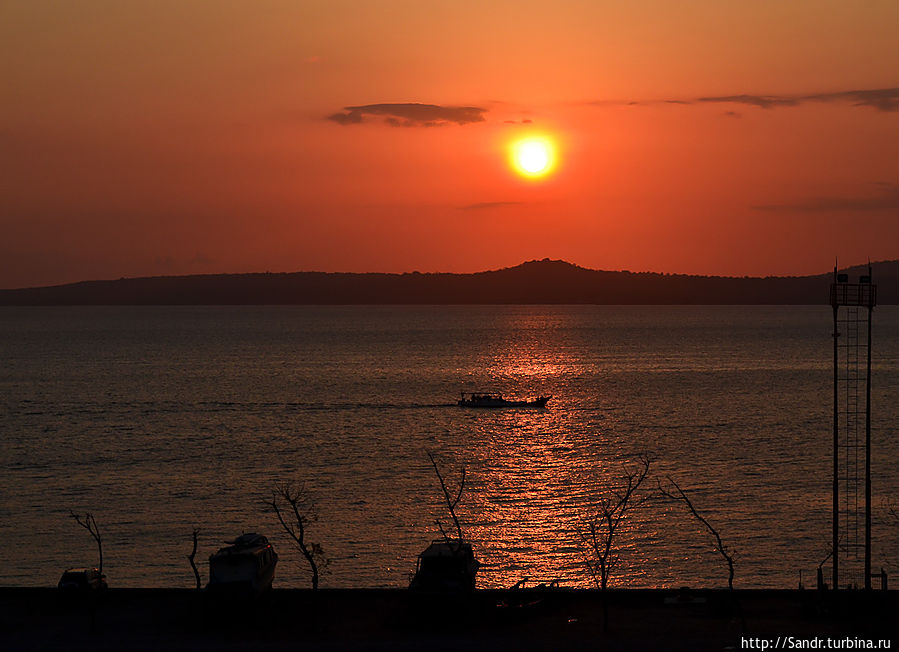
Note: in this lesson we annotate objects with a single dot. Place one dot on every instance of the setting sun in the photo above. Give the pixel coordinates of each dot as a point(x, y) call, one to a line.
point(533, 157)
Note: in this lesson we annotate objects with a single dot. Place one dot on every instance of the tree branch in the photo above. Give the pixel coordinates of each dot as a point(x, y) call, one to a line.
point(89, 523)
point(450, 503)
point(303, 513)
point(719, 544)
point(192, 556)
point(611, 512)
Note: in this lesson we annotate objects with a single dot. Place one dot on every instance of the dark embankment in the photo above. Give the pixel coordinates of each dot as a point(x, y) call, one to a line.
point(535, 282)
point(164, 619)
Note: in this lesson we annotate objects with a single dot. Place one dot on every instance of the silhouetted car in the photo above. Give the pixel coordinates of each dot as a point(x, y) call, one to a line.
point(82, 579)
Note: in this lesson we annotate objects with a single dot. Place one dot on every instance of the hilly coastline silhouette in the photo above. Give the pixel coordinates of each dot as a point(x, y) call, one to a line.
point(533, 282)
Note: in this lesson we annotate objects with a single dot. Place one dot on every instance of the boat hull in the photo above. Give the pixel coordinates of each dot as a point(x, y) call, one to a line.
point(502, 403)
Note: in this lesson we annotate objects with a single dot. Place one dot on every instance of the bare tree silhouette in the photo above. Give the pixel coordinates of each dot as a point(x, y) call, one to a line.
point(89, 523)
point(304, 512)
point(448, 565)
point(600, 529)
point(451, 503)
point(192, 556)
point(724, 551)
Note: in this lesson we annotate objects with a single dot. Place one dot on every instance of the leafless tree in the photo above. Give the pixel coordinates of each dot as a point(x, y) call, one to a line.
point(304, 512)
point(451, 503)
point(600, 529)
point(89, 523)
point(192, 556)
point(724, 551)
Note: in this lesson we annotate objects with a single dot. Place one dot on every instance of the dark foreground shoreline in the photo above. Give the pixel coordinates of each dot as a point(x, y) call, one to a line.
point(393, 619)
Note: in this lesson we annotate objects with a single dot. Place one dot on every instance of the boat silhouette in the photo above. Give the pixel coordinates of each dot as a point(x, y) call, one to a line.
point(496, 400)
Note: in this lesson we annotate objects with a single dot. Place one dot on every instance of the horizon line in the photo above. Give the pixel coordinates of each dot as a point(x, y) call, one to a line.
point(868, 262)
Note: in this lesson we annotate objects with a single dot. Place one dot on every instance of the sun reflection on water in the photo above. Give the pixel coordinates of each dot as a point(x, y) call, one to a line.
point(541, 473)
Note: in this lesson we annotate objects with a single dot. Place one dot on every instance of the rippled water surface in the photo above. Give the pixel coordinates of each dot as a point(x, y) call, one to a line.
point(162, 419)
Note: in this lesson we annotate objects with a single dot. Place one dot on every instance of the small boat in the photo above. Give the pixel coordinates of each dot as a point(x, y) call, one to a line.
point(245, 566)
point(495, 400)
point(446, 566)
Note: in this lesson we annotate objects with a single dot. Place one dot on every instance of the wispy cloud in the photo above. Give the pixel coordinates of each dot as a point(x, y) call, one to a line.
point(882, 99)
point(485, 205)
point(886, 200)
point(879, 99)
point(761, 101)
point(410, 114)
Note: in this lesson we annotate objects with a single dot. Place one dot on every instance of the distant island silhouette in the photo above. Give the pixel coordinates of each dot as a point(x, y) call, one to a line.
point(534, 282)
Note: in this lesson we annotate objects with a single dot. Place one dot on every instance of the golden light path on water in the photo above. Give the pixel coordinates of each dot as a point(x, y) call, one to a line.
point(540, 480)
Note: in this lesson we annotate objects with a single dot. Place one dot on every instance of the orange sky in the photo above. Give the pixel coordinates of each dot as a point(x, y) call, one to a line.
point(177, 137)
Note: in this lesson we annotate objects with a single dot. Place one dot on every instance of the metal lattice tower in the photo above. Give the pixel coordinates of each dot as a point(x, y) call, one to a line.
point(853, 305)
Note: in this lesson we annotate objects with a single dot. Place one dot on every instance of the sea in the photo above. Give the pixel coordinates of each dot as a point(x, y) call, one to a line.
point(159, 420)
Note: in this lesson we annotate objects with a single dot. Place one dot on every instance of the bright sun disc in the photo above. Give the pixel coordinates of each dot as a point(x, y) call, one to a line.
point(533, 157)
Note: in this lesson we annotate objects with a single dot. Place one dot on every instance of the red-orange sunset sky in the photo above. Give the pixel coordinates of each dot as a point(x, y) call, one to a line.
point(179, 137)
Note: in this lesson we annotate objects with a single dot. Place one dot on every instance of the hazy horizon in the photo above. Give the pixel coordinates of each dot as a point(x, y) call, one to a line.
point(476, 271)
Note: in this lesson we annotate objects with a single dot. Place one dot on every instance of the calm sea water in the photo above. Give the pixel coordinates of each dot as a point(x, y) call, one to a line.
point(160, 419)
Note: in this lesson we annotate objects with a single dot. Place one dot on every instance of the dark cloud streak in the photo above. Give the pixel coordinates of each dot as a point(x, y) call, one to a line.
point(484, 205)
point(880, 99)
point(762, 101)
point(885, 100)
point(410, 114)
point(886, 201)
